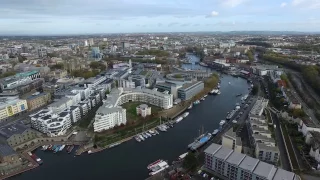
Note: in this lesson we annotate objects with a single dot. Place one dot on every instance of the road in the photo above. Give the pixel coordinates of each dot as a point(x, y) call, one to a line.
point(280, 142)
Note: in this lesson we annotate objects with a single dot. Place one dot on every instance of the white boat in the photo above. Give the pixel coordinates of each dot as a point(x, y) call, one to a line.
point(141, 137)
point(179, 119)
point(202, 99)
point(62, 147)
point(196, 102)
point(114, 144)
point(148, 134)
point(162, 128)
point(190, 107)
point(219, 92)
point(151, 165)
point(218, 87)
point(156, 131)
point(144, 135)
point(44, 147)
point(182, 156)
point(222, 122)
point(137, 138)
point(215, 132)
point(158, 168)
point(185, 114)
point(234, 121)
point(205, 96)
point(89, 152)
point(152, 132)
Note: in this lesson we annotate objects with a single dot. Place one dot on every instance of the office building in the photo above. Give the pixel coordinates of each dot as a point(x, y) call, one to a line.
point(172, 88)
point(188, 90)
point(51, 123)
point(232, 165)
point(143, 110)
point(95, 53)
point(231, 141)
point(139, 80)
point(38, 100)
point(10, 106)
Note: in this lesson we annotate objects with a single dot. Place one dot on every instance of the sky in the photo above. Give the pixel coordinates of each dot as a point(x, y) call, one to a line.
point(46, 17)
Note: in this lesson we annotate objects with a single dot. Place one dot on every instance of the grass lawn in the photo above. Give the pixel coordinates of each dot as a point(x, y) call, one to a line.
point(132, 112)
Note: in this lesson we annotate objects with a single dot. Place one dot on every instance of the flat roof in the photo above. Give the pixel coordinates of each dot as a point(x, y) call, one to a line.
point(213, 148)
point(236, 158)
point(265, 170)
point(187, 86)
point(249, 163)
point(284, 175)
point(223, 153)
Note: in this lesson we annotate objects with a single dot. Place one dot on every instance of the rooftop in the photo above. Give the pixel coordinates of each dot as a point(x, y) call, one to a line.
point(223, 153)
point(6, 150)
point(265, 170)
point(12, 129)
point(236, 158)
point(284, 175)
point(249, 163)
point(190, 85)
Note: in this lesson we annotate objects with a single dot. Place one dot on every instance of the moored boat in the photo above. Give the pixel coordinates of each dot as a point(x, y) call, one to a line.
point(36, 158)
point(154, 163)
point(137, 138)
point(70, 149)
point(190, 107)
point(196, 102)
point(179, 119)
point(215, 132)
point(185, 114)
point(62, 147)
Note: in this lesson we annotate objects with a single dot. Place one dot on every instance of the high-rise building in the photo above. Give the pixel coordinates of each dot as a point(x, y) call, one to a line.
point(95, 52)
point(85, 43)
point(91, 42)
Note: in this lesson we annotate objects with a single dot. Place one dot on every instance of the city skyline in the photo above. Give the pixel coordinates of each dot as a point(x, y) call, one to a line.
point(43, 17)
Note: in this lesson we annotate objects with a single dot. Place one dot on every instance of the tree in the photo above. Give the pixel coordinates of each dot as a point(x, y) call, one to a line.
point(21, 58)
point(250, 56)
point(97, 65)
point(58, 66)
point(255, 89)
point(190, 162)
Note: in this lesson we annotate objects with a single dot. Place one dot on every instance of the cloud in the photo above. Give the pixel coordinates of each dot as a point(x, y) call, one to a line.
point(284, 4)
point(212, 14)
point(185, 25)
point(306, 4)
point(232, 3)
point(173, 24)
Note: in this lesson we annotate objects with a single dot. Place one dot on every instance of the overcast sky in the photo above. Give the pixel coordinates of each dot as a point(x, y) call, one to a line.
point(125, 16)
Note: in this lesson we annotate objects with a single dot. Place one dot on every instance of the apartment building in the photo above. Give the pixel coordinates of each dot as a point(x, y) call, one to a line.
point(111, 113)
point(231, 141)
point(38, 100)
point(60, 105)
point(50, 123)
point(261, 138)
point(10, 106)
point(94, 81)
point(259, 106)
point(75, 113)
point(107, 118)
point(233, 165)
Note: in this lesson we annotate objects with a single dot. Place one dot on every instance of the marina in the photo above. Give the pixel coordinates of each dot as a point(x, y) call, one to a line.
point(208, 114)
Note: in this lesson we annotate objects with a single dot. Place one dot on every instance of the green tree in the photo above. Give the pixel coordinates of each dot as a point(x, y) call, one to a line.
point(255, 89)
point(190, 162)
point(58, 66)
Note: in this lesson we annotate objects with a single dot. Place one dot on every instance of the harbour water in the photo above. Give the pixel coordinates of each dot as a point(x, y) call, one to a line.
point(130, 159)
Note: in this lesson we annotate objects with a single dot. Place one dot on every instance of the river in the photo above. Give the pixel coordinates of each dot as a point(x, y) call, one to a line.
point(130, 159)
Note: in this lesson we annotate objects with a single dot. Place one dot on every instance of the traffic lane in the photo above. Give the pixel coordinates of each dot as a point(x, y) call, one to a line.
point(280, 141)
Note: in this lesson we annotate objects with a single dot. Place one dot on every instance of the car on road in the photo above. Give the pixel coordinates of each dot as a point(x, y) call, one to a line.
point(238, 117)
point(241, 113)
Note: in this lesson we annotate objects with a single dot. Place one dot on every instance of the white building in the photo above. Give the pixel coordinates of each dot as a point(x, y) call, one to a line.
point(75, 97)
point(84, 108)
point(51, 124)
point(107, 118)
point(94, 81)
point(230, 140)
point(75, 113)
point(84, 92)
point(232, 165)
point(117, 97)
point(60, 105)
point(143, 110)
point(259, 106)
